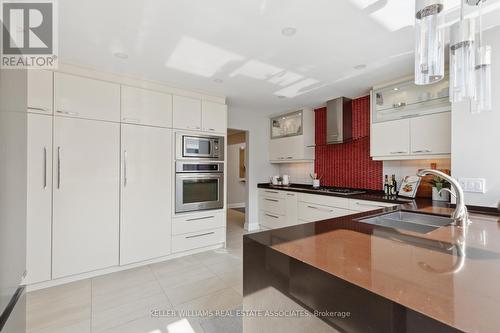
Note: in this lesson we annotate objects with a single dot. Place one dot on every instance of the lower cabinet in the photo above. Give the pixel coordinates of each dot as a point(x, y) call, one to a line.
point(198, 239)
point(309, 212)
point(86, 196)
point(277, 208)
point(146, 195)
point(39, 199)
point(198, 230)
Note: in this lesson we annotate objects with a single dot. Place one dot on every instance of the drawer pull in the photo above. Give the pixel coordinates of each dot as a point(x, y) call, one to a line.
point(272, 192)
point(398, 152)
point(369, 205)
point(272, 200)
point(69, 113)
point(38, 109)
point(321, 209)
point(273, 216)
point(422, 151)
point(291, 194)
point(201, 235)
point(200, 218)
point(131, 120)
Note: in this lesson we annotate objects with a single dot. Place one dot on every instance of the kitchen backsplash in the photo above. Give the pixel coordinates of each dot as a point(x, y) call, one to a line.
point(298, 172)
point(411, 167)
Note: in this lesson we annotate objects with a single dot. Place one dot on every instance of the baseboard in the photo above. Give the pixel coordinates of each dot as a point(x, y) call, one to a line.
point(236, 205)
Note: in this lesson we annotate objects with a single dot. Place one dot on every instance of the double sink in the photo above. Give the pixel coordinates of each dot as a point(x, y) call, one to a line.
point(416, 222)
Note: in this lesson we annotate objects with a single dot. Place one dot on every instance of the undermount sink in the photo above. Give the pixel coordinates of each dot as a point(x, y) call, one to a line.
point(416, 222)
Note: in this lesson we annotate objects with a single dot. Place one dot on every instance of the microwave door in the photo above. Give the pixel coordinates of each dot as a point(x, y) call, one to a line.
point(197, 147)
point(199, 192)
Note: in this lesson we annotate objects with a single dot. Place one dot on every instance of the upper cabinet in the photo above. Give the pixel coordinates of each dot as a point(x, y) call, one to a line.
point(292, 137)
point(410, 121)
point(406, 100)
point(187, 113)
point(146, 107)
point(213, 117)
point(86, 98)
point(40, 91)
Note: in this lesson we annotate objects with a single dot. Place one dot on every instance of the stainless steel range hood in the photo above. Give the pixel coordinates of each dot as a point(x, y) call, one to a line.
point(338, 120)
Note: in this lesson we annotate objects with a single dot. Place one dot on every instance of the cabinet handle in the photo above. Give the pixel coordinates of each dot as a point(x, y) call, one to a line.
point(289, 157)
point(291, 194)
point(44, 168)
point(398, 152)
point(369, 205)
point(273, 200)
point(125, 180)
point(321, 209)
point(272, 192)
point(38, 109)
point(273, 216)
point(422, 151)
point(69, 113)
point(200, 218)
point(132, 120)
point(58, 167)
point(211, 129)
point(201, 235)
point(399, 105)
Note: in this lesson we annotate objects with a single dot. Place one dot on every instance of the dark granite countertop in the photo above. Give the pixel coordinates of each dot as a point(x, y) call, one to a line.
point(422, 272)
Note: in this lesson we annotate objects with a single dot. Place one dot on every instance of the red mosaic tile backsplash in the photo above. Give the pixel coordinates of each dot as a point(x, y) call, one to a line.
point(348, 164)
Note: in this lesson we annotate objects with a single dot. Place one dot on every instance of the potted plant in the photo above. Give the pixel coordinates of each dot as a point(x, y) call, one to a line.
point(438, 184)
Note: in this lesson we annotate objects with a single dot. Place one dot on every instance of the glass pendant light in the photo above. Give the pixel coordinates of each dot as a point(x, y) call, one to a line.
point(429, 42)
point(462, 60)
point(482, 72)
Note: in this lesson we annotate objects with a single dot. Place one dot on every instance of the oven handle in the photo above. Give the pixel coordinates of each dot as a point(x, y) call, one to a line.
point(201, 176)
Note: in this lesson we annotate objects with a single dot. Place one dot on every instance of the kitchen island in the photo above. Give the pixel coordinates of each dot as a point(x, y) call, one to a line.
point(360, 277)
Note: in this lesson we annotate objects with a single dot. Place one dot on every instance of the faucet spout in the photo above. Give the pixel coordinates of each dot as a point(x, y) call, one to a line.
point(460, 215)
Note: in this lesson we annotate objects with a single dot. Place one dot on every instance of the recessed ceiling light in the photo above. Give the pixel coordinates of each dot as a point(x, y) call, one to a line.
point(121, 55)
point(396, 89)
point(360, 66)
point(218, 80)
point(288, 31)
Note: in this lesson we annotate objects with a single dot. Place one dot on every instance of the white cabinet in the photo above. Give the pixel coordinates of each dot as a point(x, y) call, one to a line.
point(198, 222)
point(81, 97)
point(187, 113)
point(309, 212)
point(214, 117)
point(365, 206)
point(40, 91)
point(86, 196)
point(416, 138)
point(295, 144)
point(291, 208)
point(199, 239)
point(390, 139)
point(431, 135)
point(39, 199)
point(146, 107)
point(146, 193)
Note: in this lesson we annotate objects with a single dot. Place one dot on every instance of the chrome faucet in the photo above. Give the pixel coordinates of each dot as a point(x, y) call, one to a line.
point(460, 216)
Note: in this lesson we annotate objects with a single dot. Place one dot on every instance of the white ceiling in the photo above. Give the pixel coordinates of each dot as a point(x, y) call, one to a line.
point(190, 43)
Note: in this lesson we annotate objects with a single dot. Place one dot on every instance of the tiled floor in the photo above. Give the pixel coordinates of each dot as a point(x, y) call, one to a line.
point(122, 302)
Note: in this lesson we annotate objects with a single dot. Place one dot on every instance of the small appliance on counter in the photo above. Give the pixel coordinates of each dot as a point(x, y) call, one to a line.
point(316, 181)
point(285, 180)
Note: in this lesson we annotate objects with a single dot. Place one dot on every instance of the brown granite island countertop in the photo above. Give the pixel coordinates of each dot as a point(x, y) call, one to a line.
point(400, 281)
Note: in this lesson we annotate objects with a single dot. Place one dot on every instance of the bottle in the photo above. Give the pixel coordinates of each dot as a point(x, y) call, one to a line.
point(387, 189)
point(394, 186)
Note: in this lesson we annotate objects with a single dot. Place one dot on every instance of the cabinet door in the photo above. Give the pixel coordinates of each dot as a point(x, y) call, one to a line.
point(145, 226)
point(86, 98)
point(86, 195)
point(309, 212)
point(40, 91)
point(214, 117)
point(187, 113)
point(431, 134)
point(291, 208)
point(146, 107)
point(391, 138)
point(39, 204)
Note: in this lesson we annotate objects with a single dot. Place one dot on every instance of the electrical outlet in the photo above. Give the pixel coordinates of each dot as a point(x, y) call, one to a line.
point(473, 185)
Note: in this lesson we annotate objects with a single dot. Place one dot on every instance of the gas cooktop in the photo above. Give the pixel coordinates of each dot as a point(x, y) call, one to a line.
point(338, 190)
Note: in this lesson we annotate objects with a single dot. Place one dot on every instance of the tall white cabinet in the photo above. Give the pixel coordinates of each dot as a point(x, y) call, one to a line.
point(39, 199)
point(146, 195)
point(86, 195)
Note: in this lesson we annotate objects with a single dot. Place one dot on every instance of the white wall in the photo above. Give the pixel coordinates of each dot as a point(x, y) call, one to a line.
point(476, 137)
point(236, 192)
point(258, 167)
point(410, 167)
point(299, 172)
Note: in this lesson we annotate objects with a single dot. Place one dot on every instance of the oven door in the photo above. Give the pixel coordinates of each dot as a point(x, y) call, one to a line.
point(194, 192)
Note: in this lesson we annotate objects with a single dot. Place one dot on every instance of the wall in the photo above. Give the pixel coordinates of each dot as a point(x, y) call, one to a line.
point(410, 167)
point(348, 164)
point(258, 167)
point(476, 137)
point(299, 172)
point(236, 189)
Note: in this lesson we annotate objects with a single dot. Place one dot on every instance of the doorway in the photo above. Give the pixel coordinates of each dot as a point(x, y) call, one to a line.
point(236, 177)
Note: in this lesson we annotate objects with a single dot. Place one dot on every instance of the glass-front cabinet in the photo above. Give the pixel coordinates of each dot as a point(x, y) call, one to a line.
point(406, 100)
point(286, 125)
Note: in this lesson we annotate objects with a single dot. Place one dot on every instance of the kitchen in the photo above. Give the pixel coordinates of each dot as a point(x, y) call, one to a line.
point(358, 170)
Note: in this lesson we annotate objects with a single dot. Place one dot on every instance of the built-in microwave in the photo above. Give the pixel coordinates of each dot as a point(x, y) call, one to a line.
point(191, 146)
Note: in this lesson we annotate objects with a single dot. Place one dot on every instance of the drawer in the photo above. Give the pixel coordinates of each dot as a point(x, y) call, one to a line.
point(365, 206)
point(272, 221)
point(271, 193)
point(324, 200)
point(272, 205)
point(309, 212)
point(194, 223)
point(198, 239)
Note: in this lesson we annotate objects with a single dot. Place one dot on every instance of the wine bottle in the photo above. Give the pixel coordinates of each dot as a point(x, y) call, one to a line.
point(387, 190)
point(394, 186)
